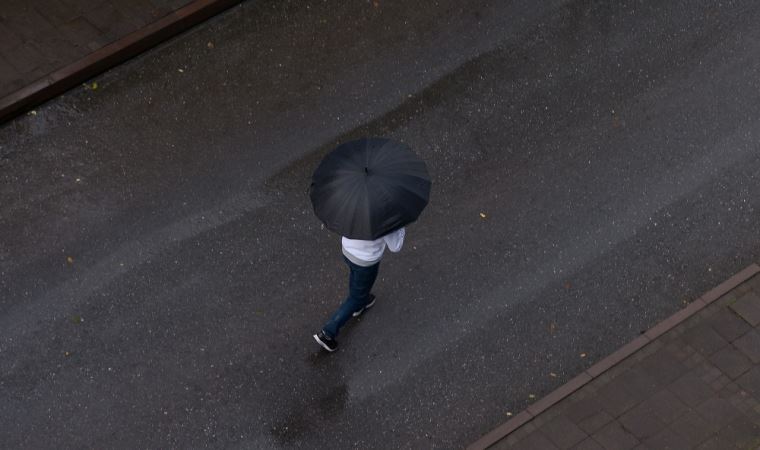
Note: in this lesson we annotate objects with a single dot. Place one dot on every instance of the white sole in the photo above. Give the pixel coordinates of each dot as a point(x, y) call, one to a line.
point(325, 346)
point(359, 313)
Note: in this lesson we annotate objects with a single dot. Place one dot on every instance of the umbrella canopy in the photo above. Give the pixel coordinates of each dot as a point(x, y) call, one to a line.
point(367, 188)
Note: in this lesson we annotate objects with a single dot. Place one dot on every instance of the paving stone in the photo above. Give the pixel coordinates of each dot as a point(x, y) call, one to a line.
point(596, 421)
point(728, 324)
point(749, 344)
point(720, 383)
point(691, 390)
point(731, 362)
point(12, 86)
point(79, 32)
point(643, 446)
point(110, 21)
point(141, 12)
point(536, 441)
point(57, 12)
point(580, 410)
point(7, 73)
point(666, 406)
point(588, 444)
point(641, 422)
point(718, 412)
point(740, 434)
point(692, 428)
point(704, 339)
point(729, 391)
point(562, 432)
point(24, 59)
point(8, 38)
point(28, 24)
point(677, 350)
point(726, 300)
point(639, 383)
point(707, 372)
point(616, 399)
point(714, 443)
point(748, 307)
point(614, 437)
point(667, 440)
point(161, 6)
point(664, 365)
point(694, 360)
point(37, 38)
point(36, 74)
point(750, 382)
point(754, 283)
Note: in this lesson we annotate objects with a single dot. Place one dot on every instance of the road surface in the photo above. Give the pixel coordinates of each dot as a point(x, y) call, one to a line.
point(595, 166)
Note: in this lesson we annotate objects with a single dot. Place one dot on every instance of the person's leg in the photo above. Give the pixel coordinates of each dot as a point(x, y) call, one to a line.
point(360, 281)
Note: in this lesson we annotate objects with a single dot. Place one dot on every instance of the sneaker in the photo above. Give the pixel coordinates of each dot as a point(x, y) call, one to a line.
point(327, 343)
point(368, 306)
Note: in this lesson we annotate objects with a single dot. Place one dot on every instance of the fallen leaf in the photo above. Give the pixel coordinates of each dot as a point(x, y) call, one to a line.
point(552, 327)
point(77, 320)
point(567, 285)
point(70, 260)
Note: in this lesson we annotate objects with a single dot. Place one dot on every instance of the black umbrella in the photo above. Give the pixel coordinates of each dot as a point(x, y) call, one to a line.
point(367, 188)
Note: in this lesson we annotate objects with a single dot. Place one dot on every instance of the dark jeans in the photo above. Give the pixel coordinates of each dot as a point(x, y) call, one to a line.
point(360, 282)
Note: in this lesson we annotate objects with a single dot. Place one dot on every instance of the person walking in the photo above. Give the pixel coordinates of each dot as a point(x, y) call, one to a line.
point(363, 260)
point(366, 190)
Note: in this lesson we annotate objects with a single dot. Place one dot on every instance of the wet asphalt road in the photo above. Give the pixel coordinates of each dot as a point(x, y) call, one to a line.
point(161, 272)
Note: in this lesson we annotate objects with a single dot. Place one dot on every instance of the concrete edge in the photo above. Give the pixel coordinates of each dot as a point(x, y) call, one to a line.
point(131, 45)
point(613, 359)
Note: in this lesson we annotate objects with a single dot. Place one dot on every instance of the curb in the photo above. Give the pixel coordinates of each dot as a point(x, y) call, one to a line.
point(117, 52)
point(612, 360)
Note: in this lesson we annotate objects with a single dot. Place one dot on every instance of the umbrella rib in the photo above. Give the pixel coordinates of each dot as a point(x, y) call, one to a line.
point(368, 210)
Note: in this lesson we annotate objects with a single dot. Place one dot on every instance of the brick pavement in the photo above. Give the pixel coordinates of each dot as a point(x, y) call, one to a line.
point(692, 382)
point(38, 37)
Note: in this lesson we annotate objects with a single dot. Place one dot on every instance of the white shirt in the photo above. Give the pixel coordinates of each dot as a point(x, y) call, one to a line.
point(367, 253)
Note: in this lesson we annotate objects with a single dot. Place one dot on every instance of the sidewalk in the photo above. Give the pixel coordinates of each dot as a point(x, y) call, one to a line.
point(49, 46)
point(691, 382)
